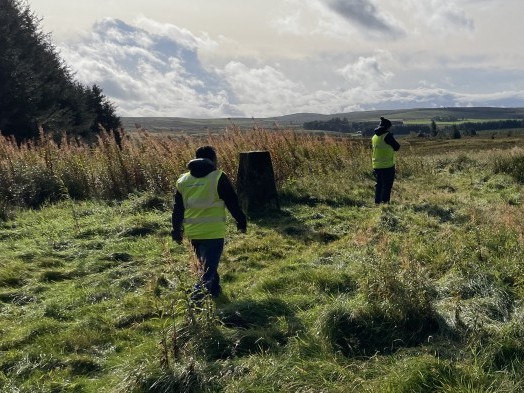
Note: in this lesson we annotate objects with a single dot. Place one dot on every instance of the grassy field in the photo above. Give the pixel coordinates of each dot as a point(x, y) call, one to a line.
point(450, 123)
point(330, 294)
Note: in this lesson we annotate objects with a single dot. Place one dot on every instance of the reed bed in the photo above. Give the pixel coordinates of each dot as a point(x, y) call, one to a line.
point(46, 170)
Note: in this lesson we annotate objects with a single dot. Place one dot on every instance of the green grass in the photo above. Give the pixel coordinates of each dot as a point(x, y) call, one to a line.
point(330, 294)
point(449, 123)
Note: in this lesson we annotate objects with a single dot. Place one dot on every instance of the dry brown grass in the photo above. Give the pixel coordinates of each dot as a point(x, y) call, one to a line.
point(35, 172)
point(45, 170)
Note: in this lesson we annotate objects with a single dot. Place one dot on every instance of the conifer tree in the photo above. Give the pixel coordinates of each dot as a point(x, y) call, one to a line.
point(434, 129)
point(455, 133)
point(37, 88)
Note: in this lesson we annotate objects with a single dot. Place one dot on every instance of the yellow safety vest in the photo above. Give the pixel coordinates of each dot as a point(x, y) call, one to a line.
point(205, 213)
point(383, 153)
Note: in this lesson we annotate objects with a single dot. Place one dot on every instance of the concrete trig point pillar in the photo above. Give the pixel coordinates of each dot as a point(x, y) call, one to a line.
point(256, 187)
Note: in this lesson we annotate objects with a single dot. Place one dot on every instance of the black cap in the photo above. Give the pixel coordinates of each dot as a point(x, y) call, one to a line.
point(384, 124)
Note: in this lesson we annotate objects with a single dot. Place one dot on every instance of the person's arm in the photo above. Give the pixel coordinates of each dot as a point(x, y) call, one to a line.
point(390, 140)
point(227, 193)
point(177, 217)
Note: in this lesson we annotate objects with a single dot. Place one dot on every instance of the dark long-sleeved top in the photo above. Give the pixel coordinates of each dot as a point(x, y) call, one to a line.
point(201, 168)
point(389, 139)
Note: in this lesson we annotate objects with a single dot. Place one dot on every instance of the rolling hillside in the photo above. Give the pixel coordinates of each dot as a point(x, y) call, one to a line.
point(166, 124)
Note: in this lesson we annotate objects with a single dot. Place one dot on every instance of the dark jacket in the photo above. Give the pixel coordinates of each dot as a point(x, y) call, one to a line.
point(202, 167)
point(389, 139)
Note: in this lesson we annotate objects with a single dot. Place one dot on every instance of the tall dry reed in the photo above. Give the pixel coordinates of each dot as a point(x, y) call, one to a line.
point(45, 170)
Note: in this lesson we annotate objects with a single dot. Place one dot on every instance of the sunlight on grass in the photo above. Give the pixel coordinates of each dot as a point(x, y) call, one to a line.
point(329, 294)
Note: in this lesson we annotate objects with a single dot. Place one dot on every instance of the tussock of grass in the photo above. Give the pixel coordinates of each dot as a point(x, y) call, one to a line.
point(192, 377)
point(426, 374)
point(313, 280)
point(13, 274)
point(357, 330)
point(147, 201)
point(512, 164)
point(55, 275)
point(442, 213)
point(506, 352)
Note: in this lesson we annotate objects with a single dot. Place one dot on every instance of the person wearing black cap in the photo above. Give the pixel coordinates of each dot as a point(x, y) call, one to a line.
point(384, 147)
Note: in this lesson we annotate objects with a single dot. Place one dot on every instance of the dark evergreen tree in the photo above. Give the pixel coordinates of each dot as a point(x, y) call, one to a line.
point(434, 129)
point(36, 87)
point(104, 110)
point(455, 133)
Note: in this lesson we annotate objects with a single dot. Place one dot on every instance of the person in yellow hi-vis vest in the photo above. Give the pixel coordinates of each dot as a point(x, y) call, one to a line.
point(199, 213)
point(384, 147)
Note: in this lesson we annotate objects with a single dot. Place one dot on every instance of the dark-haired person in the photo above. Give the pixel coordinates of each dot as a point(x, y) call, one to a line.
point(199, 213)
point(384, 147)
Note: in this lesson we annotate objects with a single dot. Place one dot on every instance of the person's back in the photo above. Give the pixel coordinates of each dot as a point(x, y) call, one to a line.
point(204, 216)
point(201, 198)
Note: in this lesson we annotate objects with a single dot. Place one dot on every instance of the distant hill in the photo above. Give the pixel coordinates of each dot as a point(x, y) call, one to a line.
point(423, 115)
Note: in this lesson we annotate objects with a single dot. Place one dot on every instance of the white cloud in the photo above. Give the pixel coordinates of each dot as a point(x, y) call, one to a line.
point(366, 72)
point(267, 88)
point(441, 16)
point(181, 36)
point(290, 23)
point(153, 69)
point(148, 72)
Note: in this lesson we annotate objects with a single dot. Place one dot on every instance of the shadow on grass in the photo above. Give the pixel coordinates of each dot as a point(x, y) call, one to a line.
point(369, 333)
point(247, 314)
point(258, 326)
point(17, 298)
point(83, 365)
point(286, 224)
point(145, 229)
point(443, 214)
point(136, 318)
point(312, 201)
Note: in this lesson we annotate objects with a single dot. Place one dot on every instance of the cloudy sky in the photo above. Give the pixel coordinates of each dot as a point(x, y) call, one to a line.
point(261, 58)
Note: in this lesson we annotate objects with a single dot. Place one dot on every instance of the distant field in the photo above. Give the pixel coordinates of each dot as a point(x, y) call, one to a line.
point(482, 142)
point(449, 123)
point(409, 116)
point(176, 124)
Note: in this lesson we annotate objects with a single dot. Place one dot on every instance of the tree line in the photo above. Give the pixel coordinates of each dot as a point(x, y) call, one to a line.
point(37, 89)
point(337, 124)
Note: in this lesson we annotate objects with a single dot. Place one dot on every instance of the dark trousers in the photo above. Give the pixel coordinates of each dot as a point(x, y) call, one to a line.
point(208, 252)
point(385, 178)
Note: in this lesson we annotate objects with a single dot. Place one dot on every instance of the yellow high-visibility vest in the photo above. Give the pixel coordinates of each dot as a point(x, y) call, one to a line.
point(205, 213)
point(383, 153)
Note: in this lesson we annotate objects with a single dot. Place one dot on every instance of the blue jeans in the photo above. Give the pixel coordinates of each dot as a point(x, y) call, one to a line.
point(208, 252)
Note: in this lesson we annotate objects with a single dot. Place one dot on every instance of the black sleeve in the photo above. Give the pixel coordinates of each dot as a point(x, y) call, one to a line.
point(178, 216)
point(390, 140)
point(227, 193)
